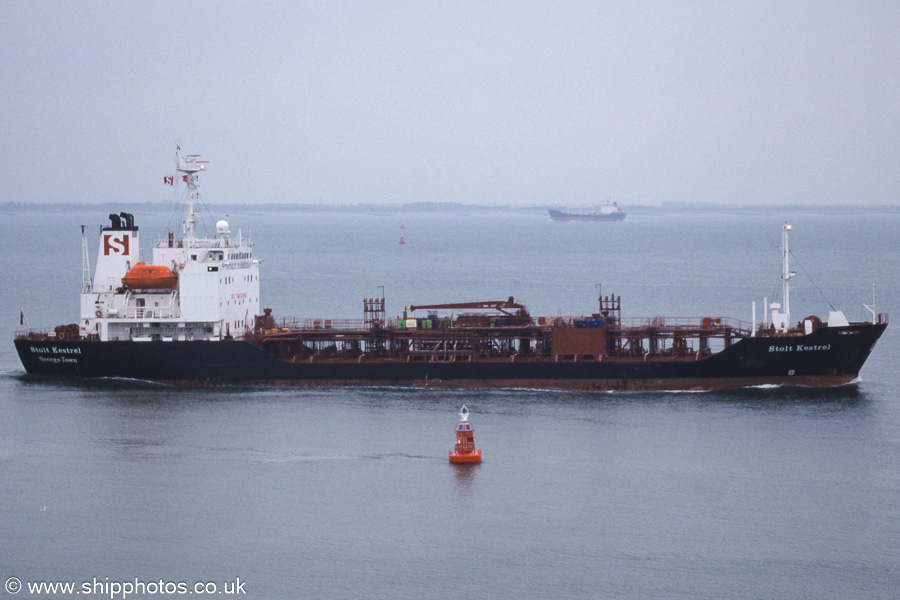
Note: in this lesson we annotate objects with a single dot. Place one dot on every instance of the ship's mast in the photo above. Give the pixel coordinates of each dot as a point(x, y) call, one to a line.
point(87, 281)
point(189, 166)
point(786, 274)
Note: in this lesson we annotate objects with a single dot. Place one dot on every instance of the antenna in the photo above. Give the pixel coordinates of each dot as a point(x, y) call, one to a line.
point(190, 166)
point(86, 280)
point(871, 308)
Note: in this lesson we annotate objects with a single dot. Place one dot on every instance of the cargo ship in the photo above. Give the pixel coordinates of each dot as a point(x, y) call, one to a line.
point(191, 317)
point(607, 212)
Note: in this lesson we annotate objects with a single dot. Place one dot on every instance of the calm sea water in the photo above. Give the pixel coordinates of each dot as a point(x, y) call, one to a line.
point(347, 493)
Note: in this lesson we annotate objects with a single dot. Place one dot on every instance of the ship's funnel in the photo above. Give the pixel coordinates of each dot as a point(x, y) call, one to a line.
point(119, 251)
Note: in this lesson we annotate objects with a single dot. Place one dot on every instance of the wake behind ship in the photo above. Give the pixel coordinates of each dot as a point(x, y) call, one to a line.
point(191, 317)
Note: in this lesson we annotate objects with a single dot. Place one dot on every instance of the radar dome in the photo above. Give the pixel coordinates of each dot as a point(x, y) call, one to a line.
point(222, 226)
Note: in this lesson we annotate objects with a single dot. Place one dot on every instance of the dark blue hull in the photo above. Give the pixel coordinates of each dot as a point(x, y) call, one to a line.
point(829, 356)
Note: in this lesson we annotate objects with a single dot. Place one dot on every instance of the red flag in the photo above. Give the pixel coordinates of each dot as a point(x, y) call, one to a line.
point(169, 180)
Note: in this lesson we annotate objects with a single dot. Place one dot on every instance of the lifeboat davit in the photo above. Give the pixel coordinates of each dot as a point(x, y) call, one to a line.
point(464, 451)
point(150, 277)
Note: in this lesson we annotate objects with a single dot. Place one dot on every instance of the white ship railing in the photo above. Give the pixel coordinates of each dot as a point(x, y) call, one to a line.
point(200, 243)
point(151, 312)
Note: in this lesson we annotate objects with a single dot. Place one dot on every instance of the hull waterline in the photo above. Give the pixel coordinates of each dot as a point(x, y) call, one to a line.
point(827, 357)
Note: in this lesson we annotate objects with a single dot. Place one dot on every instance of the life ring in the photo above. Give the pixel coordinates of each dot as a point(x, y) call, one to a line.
point(61, 335)
point(98, 314)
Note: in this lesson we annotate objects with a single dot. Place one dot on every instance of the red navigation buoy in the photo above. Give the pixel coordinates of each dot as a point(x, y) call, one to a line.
point(464, 450)
point(402, 241)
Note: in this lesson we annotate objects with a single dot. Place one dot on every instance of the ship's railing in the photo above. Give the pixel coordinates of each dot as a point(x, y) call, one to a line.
point(710, 323)
point(686, 323)
point(162, 242)
point(168, 333)
point(716, 323)
point(151, 312)
point(34, 333)
point(296, 323)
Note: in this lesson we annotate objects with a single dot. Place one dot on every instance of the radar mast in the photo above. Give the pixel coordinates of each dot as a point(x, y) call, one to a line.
point(189, 166)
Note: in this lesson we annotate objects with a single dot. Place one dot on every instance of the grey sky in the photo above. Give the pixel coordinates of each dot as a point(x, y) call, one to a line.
point(476, 102)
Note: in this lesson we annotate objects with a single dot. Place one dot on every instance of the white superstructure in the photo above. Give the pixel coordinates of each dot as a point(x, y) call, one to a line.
point(209, 289)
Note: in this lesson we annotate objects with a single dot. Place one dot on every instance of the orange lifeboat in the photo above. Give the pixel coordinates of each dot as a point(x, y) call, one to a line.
point(464, 451)
point(150, 277)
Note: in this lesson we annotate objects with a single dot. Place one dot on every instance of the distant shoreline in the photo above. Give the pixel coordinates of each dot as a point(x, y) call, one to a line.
point(449, 207)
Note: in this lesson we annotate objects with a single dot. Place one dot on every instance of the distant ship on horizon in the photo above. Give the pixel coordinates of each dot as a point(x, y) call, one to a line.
point(607, 212)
